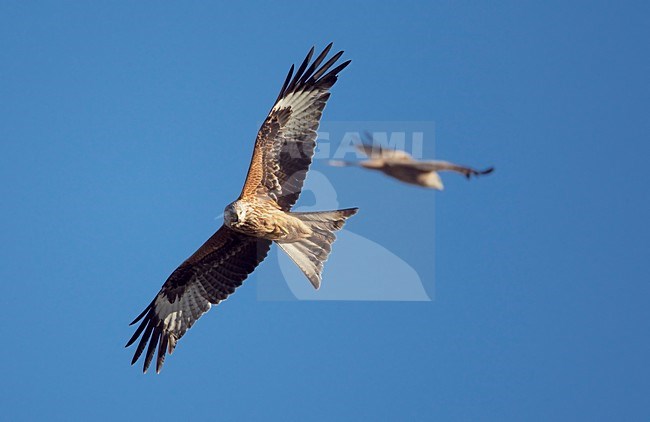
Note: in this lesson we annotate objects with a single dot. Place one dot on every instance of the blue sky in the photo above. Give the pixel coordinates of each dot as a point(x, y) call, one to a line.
point(126, 127)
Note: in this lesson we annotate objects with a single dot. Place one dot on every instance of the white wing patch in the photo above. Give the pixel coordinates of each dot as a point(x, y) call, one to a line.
point(297, 101)
point(179, 316)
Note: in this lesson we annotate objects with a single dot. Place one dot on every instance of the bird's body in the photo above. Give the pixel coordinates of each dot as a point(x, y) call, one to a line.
point(403, 167)
point(263, 218)
point(259, 217)
point(405, 173)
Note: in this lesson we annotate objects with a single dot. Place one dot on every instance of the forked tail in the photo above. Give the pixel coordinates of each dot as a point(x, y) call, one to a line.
point(310, 253)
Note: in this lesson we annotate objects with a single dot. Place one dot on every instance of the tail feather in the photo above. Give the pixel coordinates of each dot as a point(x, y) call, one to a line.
point(310, 254)
point(431, 180)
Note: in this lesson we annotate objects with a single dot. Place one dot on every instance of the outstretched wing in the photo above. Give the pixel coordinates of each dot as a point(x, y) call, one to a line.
point(447, 166)
point(286, 141)
point(206, 278)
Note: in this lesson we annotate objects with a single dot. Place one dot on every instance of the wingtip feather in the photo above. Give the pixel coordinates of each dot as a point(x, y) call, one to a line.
point(142, 314)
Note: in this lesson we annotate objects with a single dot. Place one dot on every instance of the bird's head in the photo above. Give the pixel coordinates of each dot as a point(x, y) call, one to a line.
point(234, 214)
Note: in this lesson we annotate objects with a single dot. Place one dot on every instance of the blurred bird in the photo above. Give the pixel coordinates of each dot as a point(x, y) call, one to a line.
point(260, 216)
point(402, 166)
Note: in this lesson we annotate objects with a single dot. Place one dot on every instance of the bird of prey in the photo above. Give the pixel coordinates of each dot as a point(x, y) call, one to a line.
point(260, 216)
point(402, 166)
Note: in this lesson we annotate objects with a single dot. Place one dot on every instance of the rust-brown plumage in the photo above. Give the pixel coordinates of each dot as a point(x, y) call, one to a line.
point(261, 215)
point(286, 141)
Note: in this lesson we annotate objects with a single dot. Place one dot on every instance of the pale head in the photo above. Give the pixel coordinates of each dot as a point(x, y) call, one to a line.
point(235, 213)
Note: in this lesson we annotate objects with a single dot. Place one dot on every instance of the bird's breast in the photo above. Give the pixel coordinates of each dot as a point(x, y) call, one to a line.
point(267, 221)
